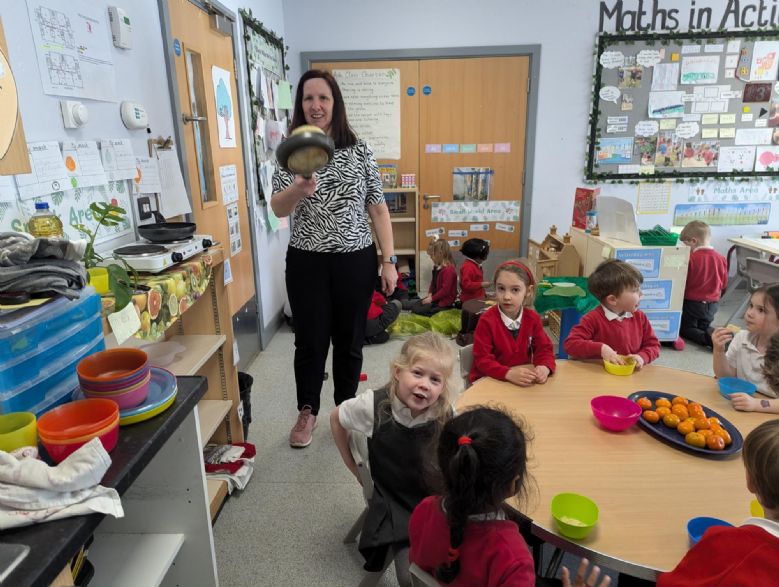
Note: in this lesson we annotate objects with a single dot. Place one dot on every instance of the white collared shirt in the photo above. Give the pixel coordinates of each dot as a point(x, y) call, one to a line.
point(357, 414)
point(768, 525)
point(614, 316)
point(511, 324)
point(747, 360)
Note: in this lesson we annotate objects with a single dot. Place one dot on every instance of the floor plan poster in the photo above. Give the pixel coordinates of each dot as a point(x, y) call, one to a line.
point(73, 44)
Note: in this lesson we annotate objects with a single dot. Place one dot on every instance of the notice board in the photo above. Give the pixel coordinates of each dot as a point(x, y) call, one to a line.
point(686, 105)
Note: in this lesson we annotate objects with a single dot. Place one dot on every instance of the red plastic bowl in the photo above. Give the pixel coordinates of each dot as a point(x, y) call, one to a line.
point(112, 365)
point(614, 412)
point(78, 418)
point(59, 452)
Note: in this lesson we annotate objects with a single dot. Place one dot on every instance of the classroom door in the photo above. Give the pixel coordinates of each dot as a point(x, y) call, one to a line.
point(212, 133)
point(472, 114)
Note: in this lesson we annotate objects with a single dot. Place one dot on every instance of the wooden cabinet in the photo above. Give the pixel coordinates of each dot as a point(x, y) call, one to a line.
point(402, 206)
point(205, 331)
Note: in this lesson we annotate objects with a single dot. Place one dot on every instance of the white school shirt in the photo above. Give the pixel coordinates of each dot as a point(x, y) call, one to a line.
point(357, 414)
point(508, 322)
point(614, 316)
point(768, 525)
point(743, 356)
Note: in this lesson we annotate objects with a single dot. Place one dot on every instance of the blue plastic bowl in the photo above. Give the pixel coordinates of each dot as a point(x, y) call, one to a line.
point(697, 526)
point(728, 385)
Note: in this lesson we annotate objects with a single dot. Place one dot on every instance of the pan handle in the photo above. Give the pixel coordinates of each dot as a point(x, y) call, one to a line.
point(158, 218)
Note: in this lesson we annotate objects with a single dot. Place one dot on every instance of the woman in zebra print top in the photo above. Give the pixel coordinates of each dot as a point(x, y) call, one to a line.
point(331, 259)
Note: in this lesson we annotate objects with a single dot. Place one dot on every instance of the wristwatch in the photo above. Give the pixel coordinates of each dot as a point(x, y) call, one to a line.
point(392, 260)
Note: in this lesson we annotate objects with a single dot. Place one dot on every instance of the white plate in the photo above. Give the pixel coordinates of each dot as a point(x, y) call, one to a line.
point(563, 284)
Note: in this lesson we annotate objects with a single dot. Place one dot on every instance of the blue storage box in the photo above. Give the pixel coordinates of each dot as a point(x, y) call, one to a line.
point(34, 391)
point(24, 366)
point(24, 330)
point(57, 396)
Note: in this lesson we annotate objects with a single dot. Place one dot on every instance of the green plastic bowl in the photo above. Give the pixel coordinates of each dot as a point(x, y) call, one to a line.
point(574, 514)
point(17, 429)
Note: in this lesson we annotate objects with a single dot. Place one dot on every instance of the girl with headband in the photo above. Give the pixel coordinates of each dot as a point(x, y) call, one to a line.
point(510, 343)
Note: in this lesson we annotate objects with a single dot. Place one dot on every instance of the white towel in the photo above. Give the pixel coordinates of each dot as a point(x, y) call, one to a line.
point(31, 491)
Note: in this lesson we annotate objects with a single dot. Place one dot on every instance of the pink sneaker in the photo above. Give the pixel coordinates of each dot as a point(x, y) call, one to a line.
point(302, 432)
point(679, 344)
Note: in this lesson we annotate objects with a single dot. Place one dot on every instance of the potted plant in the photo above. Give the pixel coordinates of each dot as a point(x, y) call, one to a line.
point(119, 282)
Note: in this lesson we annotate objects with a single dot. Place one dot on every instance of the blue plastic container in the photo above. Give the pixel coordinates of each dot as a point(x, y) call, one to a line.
point(728, 385)
point(58, 395)
point(34, 391)
point(696, 527)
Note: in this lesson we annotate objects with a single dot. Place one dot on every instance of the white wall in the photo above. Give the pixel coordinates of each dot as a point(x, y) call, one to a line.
point(566, 31)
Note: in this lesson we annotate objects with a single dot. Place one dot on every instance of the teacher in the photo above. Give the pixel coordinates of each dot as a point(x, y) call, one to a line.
point(331, 259)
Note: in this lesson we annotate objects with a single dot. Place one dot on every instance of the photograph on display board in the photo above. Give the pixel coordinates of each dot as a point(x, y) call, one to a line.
point(669, 149)
point(644, 149)
point(471, 184)
point(630, 77)
point(700, 154)
point(616, 150)
point(773, 113)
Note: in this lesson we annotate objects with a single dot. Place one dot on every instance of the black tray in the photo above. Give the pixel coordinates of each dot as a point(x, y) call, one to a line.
point(672, 437)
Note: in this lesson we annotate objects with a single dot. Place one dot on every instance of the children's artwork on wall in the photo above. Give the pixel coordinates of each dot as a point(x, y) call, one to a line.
point(615, 150)
point(764, 61)
point(699, 69)
point(767, 159)
point(760, 92)
point(666, 105)
point(225, 110)
point(471, 184)
point(723, 214)
point(736, 159)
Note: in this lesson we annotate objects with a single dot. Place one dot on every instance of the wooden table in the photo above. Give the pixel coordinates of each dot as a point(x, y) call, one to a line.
point(645, 489)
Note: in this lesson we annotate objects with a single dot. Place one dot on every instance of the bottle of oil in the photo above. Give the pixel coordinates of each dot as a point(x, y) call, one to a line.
point(44, 223)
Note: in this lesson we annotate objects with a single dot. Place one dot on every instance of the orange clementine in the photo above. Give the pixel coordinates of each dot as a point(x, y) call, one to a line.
point(713, 421)
point(725, 435)
point(651, 416)
point(706, 432)
point(663, 402)
point(715, 442)
point(684, 428)
point(671, 420)
point(702, 424)
point(663, 411)
point(680, 411)
point(696, 411)
point(644, 403)
point(679, 400)
point(695, 439)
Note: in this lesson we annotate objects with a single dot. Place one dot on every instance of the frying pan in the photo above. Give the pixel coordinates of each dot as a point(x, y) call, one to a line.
point(308, 149)
point(162, 231)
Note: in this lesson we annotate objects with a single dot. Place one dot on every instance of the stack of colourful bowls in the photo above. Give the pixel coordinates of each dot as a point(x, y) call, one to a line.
point(17, 429)
point(69, 426)
point(121, 375)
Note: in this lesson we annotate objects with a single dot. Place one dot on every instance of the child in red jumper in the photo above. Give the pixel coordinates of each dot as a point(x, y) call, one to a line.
point(381, 315)
point(472, 284)
point(707, 276)
point(509, 335)
point(616, 328)
point(748, 554)
point(443, 287)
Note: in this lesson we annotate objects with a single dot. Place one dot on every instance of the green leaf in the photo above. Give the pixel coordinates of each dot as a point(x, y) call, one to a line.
point(118, 282)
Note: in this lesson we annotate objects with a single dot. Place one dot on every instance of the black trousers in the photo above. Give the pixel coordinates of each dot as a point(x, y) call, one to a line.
point(329, 294)
point(389, 313)
point(696, 319)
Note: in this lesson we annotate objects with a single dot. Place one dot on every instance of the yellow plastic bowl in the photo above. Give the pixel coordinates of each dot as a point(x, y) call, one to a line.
point(626, 369)
point(756, 509)
point(17, 429)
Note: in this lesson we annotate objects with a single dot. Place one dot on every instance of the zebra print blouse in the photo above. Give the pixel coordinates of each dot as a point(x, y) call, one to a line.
point(335, 218)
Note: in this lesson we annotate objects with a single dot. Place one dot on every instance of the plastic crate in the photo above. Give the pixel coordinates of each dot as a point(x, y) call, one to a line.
point(658, 237)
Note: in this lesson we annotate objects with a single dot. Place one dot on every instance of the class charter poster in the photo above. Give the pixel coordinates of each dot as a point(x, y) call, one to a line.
point(73, 46)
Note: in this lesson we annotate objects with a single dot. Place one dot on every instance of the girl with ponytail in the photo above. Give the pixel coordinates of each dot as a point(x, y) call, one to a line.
point(463, 537)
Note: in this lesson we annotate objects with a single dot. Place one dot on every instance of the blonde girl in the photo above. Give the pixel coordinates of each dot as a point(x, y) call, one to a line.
point(745, 355)
point(510, 343)
point(443, 287)
point(400, 421)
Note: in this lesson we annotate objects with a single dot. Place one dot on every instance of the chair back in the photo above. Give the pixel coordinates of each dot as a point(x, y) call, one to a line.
point(466, 362)
point(761, 272)
point(420, 578)
point(358, 444)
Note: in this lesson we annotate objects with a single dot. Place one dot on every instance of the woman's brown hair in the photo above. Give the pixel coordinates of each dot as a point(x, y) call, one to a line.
point(342, 134)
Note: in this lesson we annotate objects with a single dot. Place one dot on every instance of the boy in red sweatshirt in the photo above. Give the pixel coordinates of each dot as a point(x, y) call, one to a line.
point(707, 276)
point(616, 328)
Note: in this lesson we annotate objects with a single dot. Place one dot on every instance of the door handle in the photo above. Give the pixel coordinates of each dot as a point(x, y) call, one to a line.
point(427, 197)
point(188, 118)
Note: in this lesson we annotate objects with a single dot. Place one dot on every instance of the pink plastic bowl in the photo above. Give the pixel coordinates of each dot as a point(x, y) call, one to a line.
point(128, 399)
point(59, 452)
point(119, 384)
point(614, 412)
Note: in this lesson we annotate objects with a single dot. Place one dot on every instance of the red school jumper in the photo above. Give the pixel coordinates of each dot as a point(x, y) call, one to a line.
point(631, 336)
point(471, 278)
point(445, 287)
point(707, 276)
point(493, 553)
point(495, 350)
point(746, 556)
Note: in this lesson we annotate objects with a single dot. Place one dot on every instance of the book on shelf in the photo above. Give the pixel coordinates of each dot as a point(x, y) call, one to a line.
point(396, 203)
point(389, 175)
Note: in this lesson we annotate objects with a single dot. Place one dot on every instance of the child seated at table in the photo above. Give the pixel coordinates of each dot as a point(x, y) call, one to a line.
point(443, 286)
point(616, 328)
point(747, 356)
point(748, 554)
point(707, 276)
point(510, 335)
point(472, 284)
point(463, 536)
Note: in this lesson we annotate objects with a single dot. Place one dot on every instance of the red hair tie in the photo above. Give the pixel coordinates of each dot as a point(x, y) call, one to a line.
point(464, 440)
point(454, 554)
point(521, 266)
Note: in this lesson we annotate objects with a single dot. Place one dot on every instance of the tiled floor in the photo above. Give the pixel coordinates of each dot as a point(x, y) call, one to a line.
point(287, 527)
